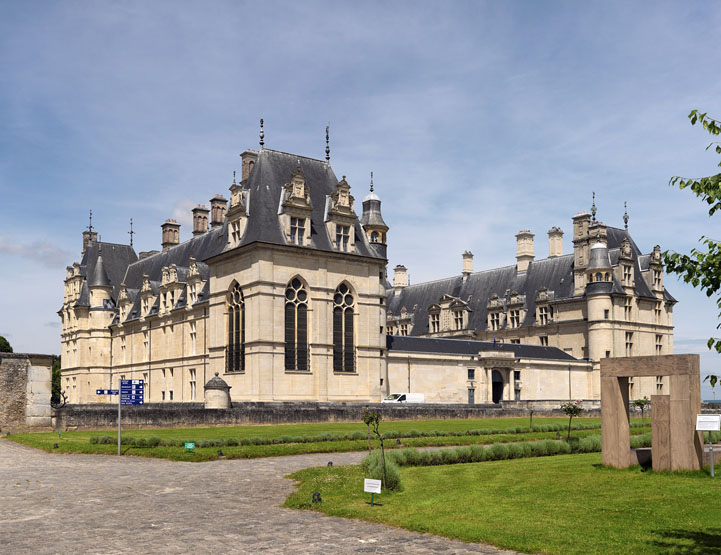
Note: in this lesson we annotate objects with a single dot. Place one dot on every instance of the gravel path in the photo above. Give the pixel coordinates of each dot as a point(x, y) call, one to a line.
point(54, 503)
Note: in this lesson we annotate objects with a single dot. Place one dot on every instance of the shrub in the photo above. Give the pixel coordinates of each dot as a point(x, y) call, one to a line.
point(498, 451)
point(358, 435)
point(94, 440)
point(514, 451)
point(231, 442)
point(141, 442)
point(153, 441)
point(372, 466)
point(286, 439)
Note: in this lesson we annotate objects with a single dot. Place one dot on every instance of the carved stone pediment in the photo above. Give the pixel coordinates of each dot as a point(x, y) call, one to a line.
point(656, 255)
point(296, 192)
point(146, 288)
point(342, 200)
point(237, 201)
point(626, 251)
point(544, 295)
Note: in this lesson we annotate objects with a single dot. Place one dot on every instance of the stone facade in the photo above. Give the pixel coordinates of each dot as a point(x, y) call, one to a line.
point(25, 390)
point(285, 296)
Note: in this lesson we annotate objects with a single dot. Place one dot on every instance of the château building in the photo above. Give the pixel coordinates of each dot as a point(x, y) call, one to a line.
point(282, 292)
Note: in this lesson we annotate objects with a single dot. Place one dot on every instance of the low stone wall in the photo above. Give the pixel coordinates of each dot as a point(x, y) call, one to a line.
point(189, 415)
point(25, 389)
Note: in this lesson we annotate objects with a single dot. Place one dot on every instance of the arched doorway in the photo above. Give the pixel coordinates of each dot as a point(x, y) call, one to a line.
point(497, 382)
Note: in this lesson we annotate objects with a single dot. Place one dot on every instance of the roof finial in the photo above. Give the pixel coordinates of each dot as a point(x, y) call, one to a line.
point(262, 135)
point(327, 143)
point(131, 232)
point(593, 207)
point(625, 215)
point(371, 181)
point(90, 225)
point(233, 177)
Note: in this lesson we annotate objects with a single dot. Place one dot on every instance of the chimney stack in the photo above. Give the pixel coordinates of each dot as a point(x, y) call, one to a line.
point(89, 237)
point(171, 234)
point(217, 211)
point(555, 242)
point(249, 158)
point(467, 264)
point(524, 250)
point(200, 220)
point(400, 277)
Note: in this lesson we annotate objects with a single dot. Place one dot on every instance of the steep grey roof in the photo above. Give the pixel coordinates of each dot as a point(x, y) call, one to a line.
point(99, 277)
point(470, 347)
point(556, 274)
point(372, 211)
point(199, 247)
point(265, 183)
point(115, 261)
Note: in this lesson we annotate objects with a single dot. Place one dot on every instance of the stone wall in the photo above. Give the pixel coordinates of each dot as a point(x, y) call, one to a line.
point(188, 415)
point(25, 389)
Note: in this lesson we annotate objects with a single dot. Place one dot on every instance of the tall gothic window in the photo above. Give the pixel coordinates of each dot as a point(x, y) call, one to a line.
point(296, 326)
point(343, 348)
point(235, 352)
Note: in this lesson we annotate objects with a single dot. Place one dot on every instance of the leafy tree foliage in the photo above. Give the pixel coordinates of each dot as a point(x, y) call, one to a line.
point(571, 409)
point(702, 267)
point(56, 387)
point(5, 345)
point(641, 404)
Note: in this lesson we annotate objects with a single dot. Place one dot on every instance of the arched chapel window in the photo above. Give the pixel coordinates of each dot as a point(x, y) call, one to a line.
point(235, 351)
point(343, 337)
point(598, 276)
point(296, 326)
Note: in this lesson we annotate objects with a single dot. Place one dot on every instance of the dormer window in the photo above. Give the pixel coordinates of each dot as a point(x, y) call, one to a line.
point(235, 234)
point(458, 319)
point(146, 306)
point(435, 321)
point(515, 318)
point(495, 318)
point(172, 300)
point(297, 230)
point(657, 279)
point(193, 294)
point(626, 275)
point(342, 236)
point(542, 315)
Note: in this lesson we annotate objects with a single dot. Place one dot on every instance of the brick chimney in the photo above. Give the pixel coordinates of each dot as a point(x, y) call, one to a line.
point(555, 242)
point(218, 205)
point(200, 220)
point(249, 157)
point(524, 250)
point(171, 234)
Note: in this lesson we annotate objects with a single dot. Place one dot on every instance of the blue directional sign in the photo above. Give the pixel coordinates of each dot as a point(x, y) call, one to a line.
point(106, 391)
point(132, 392)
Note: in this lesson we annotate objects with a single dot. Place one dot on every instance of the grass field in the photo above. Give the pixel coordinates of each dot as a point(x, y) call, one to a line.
point(79, 442)
point(562, 504)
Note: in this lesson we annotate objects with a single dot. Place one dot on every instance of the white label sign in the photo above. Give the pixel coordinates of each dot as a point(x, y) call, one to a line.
point(371, 486)
point(708, 422)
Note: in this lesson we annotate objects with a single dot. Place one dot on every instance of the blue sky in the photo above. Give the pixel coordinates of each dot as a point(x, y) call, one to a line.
point(478, 119)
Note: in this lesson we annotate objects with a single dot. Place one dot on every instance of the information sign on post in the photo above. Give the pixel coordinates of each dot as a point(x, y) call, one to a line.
point(132, 392)
point(372, 487)
point(709, 423)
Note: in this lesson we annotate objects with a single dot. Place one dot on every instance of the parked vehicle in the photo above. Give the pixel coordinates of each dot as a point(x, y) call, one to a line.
point(405, 398)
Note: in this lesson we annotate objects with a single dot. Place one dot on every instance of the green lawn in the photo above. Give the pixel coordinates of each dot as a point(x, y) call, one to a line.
point(562, 504)
point(78, 442)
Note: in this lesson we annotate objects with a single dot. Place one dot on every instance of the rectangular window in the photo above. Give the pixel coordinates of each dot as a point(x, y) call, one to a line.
point(606, 314)
point(659, 384)
point(170, 395)
point(458, 319)
point(495, 321)
point(342, 236)
point(657, 279)
point(515, 317)
point(146, 349)
point(435, 323)
point(471, 396)
point(657, 312)
point(162, 395)
point(516, 375)
point(122, 349)
point(627, 275)
point(193, 338)
point(235, 232)
point(543, 315)
point(659, 344)
point(471, 373)
point(404, 329)
point(629, 343)
point(608, 354)
point(297, 230)
point(544, 340)
point(515, 341)
point(163, 370)
point(517, 395)
point(627, 309)
point(192, 384)
point(171, 372)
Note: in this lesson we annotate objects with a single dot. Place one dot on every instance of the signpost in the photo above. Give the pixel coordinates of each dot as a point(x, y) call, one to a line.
point(372, 487)
point(709, 423)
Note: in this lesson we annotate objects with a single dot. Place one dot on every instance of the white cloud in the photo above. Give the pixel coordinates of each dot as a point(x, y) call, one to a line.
point(44, 252)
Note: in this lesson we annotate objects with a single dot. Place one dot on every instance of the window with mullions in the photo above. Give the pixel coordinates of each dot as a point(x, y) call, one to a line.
point(297, 230)
point(235, 351)
point(342, 236)
point(343, 341)
point(296, 326)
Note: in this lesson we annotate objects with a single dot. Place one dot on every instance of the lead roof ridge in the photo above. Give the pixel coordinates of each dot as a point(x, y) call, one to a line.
point(296, 155)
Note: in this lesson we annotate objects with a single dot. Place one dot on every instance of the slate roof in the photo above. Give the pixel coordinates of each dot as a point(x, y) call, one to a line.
point(115, 260)
point(469, 347)
point(556, 274)
point(271, 172)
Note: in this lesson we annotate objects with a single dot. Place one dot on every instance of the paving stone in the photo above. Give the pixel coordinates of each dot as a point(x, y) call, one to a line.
point(58, 503)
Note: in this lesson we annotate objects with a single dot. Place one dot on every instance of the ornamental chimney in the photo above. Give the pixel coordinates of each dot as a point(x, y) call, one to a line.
point(200, 220)
point(400, 277)
point(249, 159)
point(217, 211)
point(467, 264)
point(555, 242)
point(171, 234)
point(524, 250)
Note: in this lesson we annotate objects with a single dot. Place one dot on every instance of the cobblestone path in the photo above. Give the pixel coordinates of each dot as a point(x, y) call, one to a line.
point(53, 503)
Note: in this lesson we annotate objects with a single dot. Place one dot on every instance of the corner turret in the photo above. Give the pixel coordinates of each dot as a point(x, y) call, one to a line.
point(373, 224)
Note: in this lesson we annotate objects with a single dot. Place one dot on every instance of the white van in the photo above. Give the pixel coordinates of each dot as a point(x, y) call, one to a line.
point(405, 398)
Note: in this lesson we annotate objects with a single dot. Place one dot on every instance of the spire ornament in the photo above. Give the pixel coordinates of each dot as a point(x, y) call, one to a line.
point(327, 144)
point(234, 177)
point(625, 215)
point(371, 182)
point(131, 232)
point(90, 225)
point(593, 208)
point(262, 134)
